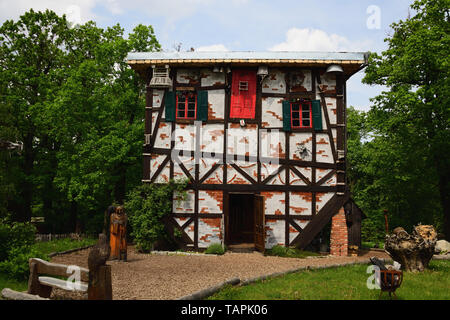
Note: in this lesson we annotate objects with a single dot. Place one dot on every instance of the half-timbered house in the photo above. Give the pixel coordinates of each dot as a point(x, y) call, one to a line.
point(261, 136)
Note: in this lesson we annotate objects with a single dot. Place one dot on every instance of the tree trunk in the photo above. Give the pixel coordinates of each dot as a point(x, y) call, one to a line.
point(413, 251)
point(24, 213)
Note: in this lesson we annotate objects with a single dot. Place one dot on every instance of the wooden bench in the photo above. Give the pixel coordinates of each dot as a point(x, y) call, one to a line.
point(41, 283)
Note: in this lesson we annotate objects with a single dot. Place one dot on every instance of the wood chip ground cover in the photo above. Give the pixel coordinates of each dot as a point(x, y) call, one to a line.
point(165, 277)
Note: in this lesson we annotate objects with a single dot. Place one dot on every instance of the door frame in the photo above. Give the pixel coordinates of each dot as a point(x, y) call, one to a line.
point(226, 227)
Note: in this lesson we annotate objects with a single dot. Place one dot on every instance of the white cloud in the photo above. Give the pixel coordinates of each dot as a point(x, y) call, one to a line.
point(308, 39)
point(80, 10)
point(213, 47)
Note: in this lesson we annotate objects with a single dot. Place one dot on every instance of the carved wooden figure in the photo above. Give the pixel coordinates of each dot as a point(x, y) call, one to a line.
point(118, 228)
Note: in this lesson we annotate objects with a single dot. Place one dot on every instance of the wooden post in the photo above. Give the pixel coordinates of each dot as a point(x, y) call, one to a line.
point(100, 285)
point(34, 287)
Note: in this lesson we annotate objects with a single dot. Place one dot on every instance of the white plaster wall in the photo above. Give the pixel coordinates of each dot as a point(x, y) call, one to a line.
point(300, 203)
point(275, 231)
point(274, 82)
point(271, 112)
point(323, 148)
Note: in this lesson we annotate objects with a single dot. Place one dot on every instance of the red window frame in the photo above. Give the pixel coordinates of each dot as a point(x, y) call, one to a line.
point(300, 114)
point(186, 104)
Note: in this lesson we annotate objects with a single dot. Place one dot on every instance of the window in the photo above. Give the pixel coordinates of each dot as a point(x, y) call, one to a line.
point(243, 94)
point(186, 103)
point(301, 115)
point(243, 85)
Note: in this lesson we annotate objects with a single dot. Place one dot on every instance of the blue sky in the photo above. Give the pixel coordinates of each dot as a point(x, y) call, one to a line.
point(244, 25)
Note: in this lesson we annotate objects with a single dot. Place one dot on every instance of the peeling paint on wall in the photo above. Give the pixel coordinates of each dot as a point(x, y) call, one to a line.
point(184, 206)
point(216, 104)
point(163, 136)
point(210, 201)
point(275, 230)
point(212, 138)
point(210, 78)
point(271, 112)
point(274, 82)
point(209, 232)
point(300, 203)
point(300, 81)
point(272, 144)
point(274, 202)
point(293, 233)
point(235, 177)
point(188, 163)
point(328, 83)
point(188, 76)
point(298, 139)
point(323, 148)
point(241, 141)
point(322, 199)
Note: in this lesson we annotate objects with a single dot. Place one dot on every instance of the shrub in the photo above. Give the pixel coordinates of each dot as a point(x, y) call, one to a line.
point(14, 235)
point(146, 206)
point(280, 251)
point(215, 248)
point(16, 265)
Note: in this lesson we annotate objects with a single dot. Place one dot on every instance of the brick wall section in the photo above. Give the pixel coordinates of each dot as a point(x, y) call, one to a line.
point(339, 235)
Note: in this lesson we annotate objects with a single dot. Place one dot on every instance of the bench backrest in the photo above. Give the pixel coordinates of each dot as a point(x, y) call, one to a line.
point(55, 269)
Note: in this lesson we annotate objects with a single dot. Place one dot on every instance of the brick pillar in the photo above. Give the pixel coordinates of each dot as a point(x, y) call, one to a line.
point(339, 235)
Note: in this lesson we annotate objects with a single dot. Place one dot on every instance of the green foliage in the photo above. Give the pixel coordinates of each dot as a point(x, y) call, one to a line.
point(16, 265)
point(14, 235)
point(215, 248)
point(69, 96)
point(407, 163)
point(146, 206)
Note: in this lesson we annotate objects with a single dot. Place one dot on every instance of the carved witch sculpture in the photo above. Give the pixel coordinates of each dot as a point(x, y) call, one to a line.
point(118, 241)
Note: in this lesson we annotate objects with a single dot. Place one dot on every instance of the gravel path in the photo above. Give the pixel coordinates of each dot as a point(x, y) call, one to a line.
point(147, 276)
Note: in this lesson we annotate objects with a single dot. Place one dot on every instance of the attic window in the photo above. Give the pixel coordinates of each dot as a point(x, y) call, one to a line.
point(243, 85)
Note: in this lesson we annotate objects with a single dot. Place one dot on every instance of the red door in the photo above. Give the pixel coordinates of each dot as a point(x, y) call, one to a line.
point(243, 94)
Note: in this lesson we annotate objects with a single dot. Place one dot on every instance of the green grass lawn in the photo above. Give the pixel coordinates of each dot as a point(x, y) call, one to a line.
point(343, 283)
point(63, 245)
point(45, 248)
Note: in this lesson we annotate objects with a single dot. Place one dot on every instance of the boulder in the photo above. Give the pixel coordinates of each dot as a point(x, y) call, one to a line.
point(442, 246)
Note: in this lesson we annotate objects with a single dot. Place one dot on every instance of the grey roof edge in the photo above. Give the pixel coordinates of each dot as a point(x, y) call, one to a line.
point(246, 55)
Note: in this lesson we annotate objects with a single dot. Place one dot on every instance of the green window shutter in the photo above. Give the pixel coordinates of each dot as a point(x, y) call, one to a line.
point(170, 106)
point(286, 115)
point(202, 105)
point(316, 114)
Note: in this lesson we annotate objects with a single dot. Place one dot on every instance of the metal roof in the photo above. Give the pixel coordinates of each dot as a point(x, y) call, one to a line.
point(247, 55)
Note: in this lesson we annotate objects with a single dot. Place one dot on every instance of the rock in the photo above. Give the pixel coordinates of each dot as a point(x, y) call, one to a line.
point(442, 246)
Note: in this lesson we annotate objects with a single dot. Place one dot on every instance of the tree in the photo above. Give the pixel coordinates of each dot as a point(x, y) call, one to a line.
point(69, 95)
point(413, 115)
point(31, 58)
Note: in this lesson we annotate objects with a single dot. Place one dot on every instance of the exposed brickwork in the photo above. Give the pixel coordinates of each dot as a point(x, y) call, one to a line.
point(339, 235)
